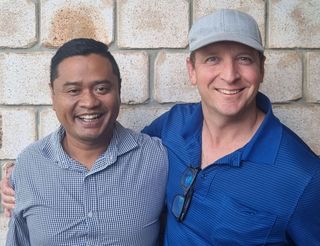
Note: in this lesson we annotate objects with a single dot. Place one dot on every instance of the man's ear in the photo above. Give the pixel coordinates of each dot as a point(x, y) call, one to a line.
point(51, 88)
point(191, 71)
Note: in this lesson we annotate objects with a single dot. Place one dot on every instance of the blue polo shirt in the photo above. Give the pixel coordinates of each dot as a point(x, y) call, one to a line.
point(267, 192)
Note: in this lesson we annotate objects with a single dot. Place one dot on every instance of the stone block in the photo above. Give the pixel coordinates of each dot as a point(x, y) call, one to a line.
point(153, 23)
point(17, 23)
point(255, 8)
point(48, 122)
point(171, 81)
point(303, 120)
point(1, 131)
point(18, 129)
point(294, 23)
point(24, 78)
point(137, 118)
point(312, 87)
point(135, 77)
point(64, 20)
point(283, 76)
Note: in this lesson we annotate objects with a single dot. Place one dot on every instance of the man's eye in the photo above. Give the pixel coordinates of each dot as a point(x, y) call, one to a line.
point(73, 91)
point(245, 60)
point(102, 89)
point(212, 59)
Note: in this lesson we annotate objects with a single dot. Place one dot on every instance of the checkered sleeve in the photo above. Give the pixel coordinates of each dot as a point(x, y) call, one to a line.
point(18, 233)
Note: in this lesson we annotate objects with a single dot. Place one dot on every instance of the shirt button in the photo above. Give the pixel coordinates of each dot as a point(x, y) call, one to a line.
point(90, 214)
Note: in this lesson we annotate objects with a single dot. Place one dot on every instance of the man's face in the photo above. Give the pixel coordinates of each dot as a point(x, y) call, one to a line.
point(85, 96)
point(228, 76)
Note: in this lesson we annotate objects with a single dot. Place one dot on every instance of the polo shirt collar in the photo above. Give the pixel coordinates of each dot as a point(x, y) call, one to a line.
point(264, 145)
point(191, 134)
point(262, 148)
point(193, 128)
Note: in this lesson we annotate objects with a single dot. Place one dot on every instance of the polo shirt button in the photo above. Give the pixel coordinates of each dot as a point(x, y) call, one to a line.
point(204, 176)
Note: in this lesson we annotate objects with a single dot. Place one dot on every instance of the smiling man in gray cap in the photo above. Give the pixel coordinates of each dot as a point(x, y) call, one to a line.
point(237, 176)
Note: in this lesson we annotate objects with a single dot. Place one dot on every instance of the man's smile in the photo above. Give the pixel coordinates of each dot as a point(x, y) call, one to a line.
point(89, 117)
point(229, 92)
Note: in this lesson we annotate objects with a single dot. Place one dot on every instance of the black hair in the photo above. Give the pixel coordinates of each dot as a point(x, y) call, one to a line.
point(82, 47)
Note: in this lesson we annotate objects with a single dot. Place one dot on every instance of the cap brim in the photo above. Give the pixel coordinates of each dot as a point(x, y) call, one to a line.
point(235, 37)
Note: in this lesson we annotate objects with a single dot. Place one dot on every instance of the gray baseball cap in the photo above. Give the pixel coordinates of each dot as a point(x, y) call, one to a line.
point(225, 25)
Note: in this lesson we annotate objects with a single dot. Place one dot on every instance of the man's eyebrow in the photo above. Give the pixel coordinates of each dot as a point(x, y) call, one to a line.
point(72, 83)
point(103, 81)
point(79, 83)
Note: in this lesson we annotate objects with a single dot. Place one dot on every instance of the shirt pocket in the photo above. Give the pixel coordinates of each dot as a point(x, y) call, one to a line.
point(241, 225)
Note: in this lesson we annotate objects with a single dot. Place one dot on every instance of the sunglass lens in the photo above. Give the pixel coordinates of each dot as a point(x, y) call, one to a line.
point(178, 205)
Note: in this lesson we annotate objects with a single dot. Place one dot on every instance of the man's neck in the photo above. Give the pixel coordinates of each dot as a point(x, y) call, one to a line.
point(222, 136)
point(85, 152)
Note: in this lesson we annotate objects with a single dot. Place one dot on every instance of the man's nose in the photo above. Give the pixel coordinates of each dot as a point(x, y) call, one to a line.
point(229, 72)
point(88, 99)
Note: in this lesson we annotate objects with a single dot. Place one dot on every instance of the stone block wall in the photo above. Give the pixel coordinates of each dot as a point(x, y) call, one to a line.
point(149, 41)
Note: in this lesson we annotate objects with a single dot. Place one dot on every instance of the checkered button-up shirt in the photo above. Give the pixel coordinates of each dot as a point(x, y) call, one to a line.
point(117, 202)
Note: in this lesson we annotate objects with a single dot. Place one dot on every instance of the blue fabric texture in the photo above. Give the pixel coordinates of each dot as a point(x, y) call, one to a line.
point(265, 193)
point(117, 202)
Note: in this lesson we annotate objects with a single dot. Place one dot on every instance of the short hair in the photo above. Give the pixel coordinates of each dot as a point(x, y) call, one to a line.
point(82, 47)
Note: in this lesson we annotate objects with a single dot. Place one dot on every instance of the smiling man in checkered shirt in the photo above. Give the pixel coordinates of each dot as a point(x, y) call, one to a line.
point(92, 181)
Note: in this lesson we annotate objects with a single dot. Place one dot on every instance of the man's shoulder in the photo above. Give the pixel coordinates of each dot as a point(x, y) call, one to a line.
point(143, 140)
point(34, 149)
point(185, 109)
point(143, 147)
point(295, 150)
point(181, 114)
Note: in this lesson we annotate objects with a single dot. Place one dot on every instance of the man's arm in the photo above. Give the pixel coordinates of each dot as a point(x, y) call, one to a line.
point(18, 233)
point(304, 226)
point(7, 193)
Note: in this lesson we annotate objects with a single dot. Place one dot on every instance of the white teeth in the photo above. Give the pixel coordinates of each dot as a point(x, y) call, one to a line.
point(229, 92)
point(89, 117)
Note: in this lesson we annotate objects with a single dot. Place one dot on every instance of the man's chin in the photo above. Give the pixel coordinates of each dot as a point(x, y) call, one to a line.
point(91, 137)
point(87, 136)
